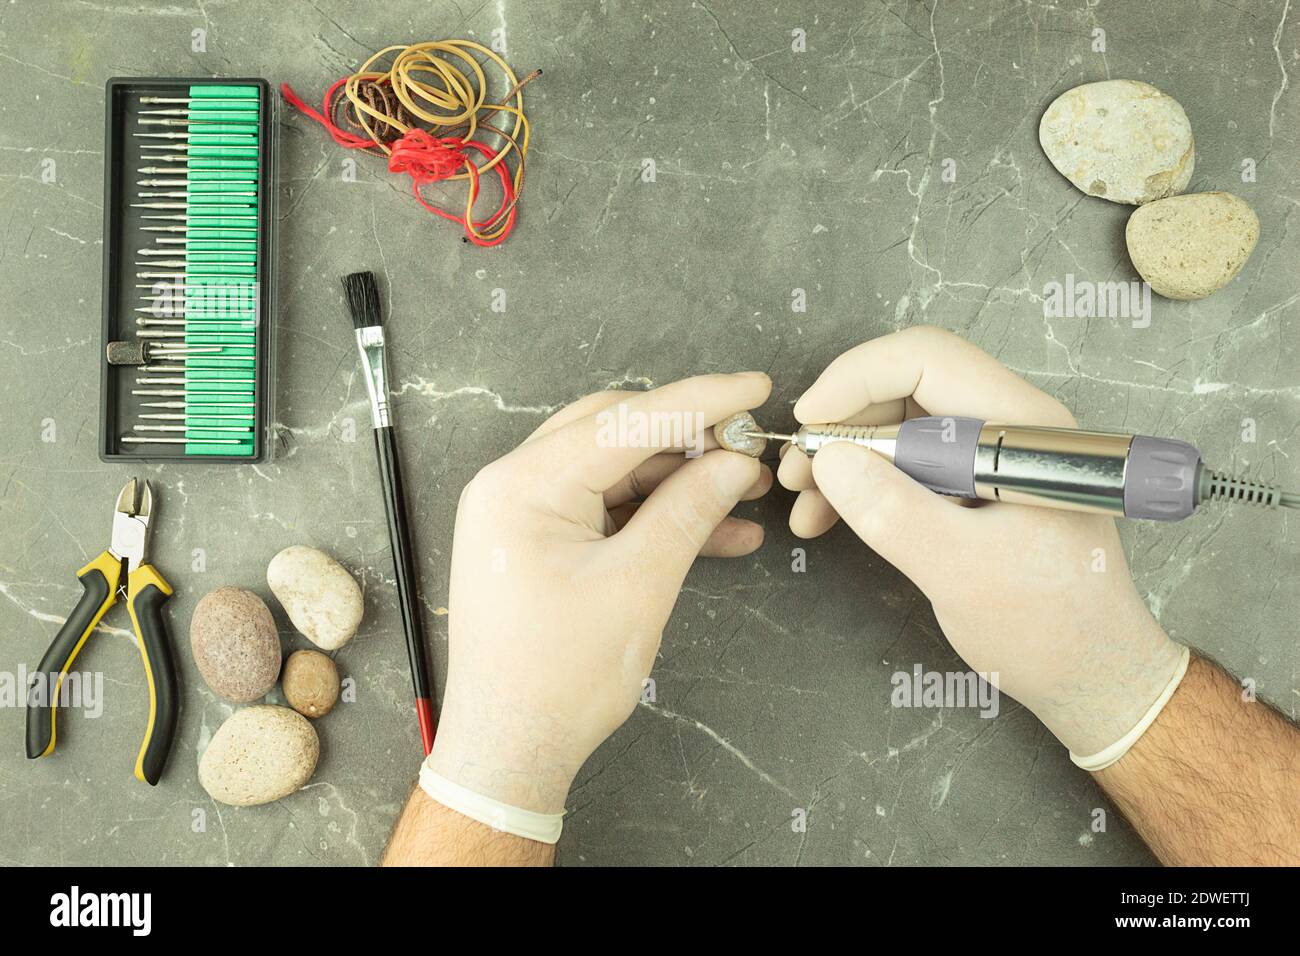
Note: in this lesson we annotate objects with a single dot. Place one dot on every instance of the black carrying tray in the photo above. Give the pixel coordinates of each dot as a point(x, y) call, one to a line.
point(123, 236)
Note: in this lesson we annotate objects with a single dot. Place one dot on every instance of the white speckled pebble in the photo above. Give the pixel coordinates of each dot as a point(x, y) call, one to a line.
point(1122, 140)
point(321, 598)
point(260, 754)
point(1187, 247)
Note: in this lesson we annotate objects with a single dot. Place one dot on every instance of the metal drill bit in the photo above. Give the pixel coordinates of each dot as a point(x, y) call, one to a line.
point(169, 121)
point(145, 380)
point(184, 135)
point(180, 309)
point(198, 99)
point(176, 334)
point(185, 405)
point(186, 428)
point(186, 323)
point(183, 113)
point(208, 209)
point(774, 436)
point(181, 393)
point(188, 146)
point(171, 240)
point(182, 416)
point(186, 182)
point(189, 274)
point(174, 251)
point(181, 217)
point(161, 440)
point(243, 285)
point(164, 170)
point(243, 229)
point(182, 263)
point(248, 197)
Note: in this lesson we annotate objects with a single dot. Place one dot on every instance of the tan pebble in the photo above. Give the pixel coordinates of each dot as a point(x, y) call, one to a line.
point(310, 683)
point(730, 433)
point(1187, 247)
point(258, 755)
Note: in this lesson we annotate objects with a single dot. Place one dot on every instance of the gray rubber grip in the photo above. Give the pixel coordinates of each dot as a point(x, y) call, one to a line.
point(939, 452)
point(1160, 479)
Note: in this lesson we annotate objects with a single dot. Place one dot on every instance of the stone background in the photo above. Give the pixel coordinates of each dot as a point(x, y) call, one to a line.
point(775, 170)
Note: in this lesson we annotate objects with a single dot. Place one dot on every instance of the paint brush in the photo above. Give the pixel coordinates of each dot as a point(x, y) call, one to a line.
point(363, 302)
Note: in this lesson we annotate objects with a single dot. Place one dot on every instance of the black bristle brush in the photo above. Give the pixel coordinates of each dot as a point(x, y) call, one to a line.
point(363, 302)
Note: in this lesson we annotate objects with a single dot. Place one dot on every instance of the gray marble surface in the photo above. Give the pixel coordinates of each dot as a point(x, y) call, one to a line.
point(819, 170)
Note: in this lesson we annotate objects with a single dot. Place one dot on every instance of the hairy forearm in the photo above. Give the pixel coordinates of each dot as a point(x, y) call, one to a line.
point(1213, 782)
point(429, 834)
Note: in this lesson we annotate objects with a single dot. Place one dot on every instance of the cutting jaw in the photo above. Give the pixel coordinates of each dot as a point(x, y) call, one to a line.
point(131, 523)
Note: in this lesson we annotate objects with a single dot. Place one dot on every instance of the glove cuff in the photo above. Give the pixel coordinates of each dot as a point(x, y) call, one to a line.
point(1104, 758)
point(541, 827)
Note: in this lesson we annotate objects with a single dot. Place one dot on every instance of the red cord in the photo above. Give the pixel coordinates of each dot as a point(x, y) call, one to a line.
point(425, 159)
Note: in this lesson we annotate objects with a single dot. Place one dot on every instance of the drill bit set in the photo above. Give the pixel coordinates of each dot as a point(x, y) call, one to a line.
point(188, 270)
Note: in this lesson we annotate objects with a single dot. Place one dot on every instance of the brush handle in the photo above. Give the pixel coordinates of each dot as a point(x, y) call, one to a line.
point(399, 534)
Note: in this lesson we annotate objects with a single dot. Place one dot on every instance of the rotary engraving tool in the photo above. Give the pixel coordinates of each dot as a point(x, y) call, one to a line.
point(1130, 476)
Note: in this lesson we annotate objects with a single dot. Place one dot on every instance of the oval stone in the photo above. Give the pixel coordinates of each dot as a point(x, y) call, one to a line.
point(1187, 247)
point(1121, 140)
point(260, 754)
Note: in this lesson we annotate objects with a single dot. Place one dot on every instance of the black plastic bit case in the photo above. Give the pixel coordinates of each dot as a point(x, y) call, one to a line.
point(123, 235)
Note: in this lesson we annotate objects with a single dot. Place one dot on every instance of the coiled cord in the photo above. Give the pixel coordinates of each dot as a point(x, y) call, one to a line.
point(1216, 486)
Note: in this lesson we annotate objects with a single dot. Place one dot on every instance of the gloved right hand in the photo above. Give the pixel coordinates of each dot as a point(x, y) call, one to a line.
point(1041, 600)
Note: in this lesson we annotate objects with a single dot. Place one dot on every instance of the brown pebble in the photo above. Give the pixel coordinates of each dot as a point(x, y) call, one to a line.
point(235, 644)
point(730, 433)
point(310, 683)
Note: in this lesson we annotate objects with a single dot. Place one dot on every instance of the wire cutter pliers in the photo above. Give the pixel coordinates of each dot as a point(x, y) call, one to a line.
point(119, 571)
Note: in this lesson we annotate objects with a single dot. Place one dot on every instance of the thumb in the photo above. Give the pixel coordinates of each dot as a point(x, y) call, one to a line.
point(672, 525)
point(900, 519)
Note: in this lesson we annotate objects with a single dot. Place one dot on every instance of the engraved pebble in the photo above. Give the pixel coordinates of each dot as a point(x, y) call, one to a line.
point(730, 433)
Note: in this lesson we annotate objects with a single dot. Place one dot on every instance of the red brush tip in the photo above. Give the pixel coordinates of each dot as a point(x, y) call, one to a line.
point(424, 711)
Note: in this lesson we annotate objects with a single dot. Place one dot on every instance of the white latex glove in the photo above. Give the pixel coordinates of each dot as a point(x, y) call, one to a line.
point(1015, 588)
point(561, 583)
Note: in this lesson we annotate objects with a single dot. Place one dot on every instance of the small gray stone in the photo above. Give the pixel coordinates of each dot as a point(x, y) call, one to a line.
point(1187, 247)
point(259, 755)
point(321, 598)
point(235, 644)
point(1122, 140)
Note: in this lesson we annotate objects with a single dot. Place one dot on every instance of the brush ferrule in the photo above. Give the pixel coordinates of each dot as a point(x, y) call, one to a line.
point(370, 345)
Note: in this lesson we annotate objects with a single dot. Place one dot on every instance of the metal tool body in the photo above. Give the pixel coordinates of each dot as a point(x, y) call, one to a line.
point(120, 571)
point(1131, 476)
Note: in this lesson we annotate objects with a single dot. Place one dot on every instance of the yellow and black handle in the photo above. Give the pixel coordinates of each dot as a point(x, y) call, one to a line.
point(147, 591)
point(99, 581)
point(146, 594)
